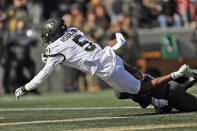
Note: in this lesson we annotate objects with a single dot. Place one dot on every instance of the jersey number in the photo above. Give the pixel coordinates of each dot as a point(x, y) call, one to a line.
point(91, 46)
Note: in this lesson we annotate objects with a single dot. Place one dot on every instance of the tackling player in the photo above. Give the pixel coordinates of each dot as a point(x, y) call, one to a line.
point(170, 95)
point(72, 47)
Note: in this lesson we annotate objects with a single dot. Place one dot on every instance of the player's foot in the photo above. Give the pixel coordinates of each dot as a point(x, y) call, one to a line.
point(159, 104)
point(165, 109)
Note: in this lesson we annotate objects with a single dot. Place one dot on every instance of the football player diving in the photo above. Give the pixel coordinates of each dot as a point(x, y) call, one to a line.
point(72, 47)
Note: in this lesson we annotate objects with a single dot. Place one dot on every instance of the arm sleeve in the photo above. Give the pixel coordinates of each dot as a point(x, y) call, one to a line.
point(52, 62)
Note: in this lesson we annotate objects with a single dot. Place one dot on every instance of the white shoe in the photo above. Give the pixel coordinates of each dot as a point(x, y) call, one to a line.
point(161, 103)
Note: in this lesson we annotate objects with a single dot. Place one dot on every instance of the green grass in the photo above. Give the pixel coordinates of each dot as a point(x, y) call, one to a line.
point(86, 119)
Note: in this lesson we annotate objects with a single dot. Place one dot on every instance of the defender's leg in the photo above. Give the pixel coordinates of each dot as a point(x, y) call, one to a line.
point(180, 99)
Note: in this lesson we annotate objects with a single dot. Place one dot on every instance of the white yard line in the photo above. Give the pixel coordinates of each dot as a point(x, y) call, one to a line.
point(69, 108)
point(141, 127)
point(58, 121)
point(122, 128)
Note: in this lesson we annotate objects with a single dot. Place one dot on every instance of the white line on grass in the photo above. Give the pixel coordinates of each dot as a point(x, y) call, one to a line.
point(121, 128)
point(69, 108)
point(59, 121)
point(141, 127)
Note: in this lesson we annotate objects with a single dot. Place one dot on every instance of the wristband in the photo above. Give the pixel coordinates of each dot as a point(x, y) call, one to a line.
point(176, 75)
point(23, 89)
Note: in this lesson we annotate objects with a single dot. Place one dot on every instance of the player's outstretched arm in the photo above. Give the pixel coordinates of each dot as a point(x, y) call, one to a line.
point(52, 62)
point(155, 83)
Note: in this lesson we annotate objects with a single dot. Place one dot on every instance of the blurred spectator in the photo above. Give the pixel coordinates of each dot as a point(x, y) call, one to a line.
point(150, 4)
point(23, 40)
point(131, 50)
point(193, 9)
point(3, 17)
point(18, 10)
point(183, 9)
point(194, 36)
point(75, 9)
point(150, 10)
point(117, 8)
point(93, 31)
point(8, 61)
point(94, 3)
point(78, 21)
point(127, 25)
point(102, 18)
point(68, 19)
point(3, 51)
point(35, 12)
point(90, 26)
point(63, 6)
point(83, 5)
point(135, 10)
point(1, 37)
point(167, 14)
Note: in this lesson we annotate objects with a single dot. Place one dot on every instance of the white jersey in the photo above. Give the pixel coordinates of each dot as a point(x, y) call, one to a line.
point(76, 50)
point(81, 53)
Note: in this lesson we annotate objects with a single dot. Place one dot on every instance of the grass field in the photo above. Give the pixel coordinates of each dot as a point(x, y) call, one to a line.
point(99, 111)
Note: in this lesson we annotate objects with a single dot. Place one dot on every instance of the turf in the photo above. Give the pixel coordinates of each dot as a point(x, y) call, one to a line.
point(86, 111)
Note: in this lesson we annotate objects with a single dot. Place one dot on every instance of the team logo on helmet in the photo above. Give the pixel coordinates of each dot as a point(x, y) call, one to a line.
point(49, 26)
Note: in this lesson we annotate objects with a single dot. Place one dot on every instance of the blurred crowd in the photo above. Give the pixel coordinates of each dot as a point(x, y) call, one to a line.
point(99, 19)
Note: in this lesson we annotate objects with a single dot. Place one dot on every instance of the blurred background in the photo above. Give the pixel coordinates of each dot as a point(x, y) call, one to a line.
point(161, 35)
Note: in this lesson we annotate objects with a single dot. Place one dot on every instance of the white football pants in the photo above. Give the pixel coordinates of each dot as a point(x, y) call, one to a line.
point(122, 80)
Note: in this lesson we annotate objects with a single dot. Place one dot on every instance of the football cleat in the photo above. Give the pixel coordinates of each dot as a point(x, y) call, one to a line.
point(159, 105)
point(165, 109)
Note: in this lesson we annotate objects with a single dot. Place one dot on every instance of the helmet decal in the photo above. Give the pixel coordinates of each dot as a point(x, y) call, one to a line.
point(49, 26)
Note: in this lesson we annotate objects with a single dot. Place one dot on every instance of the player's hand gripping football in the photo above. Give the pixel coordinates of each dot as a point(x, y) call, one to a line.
point(19, 92)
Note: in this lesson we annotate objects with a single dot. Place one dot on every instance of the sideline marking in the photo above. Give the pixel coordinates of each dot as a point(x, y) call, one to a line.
point(70, 108)
point(141, 127)
point(58, 121)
